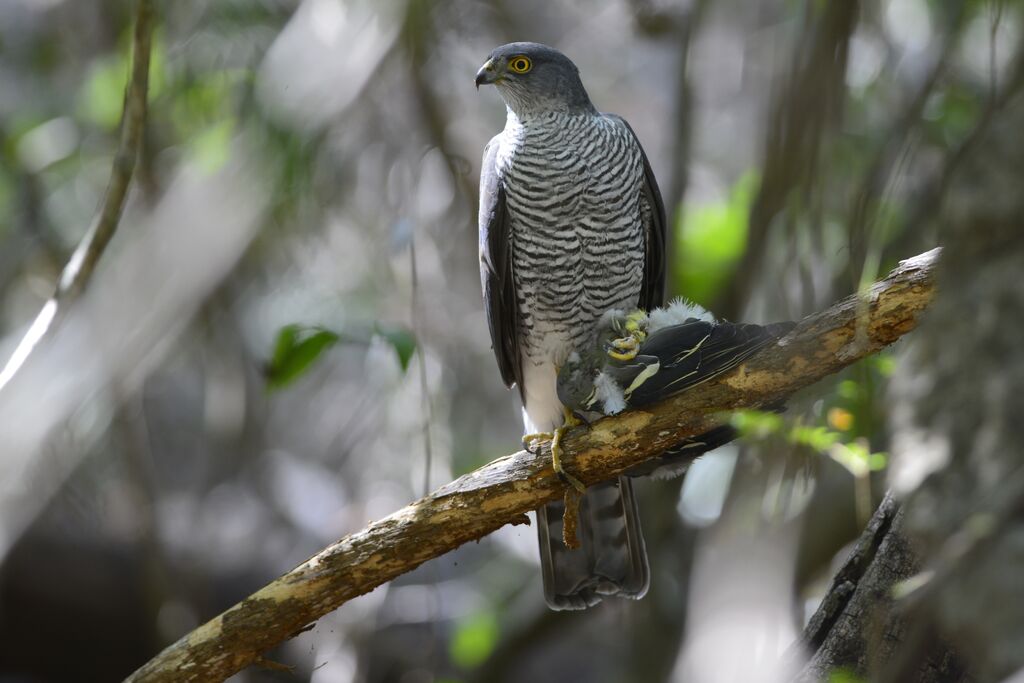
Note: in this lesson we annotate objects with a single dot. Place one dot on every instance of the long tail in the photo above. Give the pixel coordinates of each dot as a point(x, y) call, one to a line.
point(612, 558)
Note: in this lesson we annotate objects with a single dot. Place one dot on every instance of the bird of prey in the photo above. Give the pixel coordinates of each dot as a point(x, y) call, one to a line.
point(571, 225)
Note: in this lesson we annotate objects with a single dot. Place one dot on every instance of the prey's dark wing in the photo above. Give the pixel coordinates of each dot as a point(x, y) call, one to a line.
point(496, 270)
point(697, 350)
point(652, 293)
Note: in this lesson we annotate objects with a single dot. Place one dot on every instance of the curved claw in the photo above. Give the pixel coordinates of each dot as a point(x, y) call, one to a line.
point(556, 462)
point(626, 355)
point(625, 348)
point(532, 441)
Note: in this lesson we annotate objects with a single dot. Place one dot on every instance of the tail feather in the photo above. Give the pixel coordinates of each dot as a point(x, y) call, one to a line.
point(612, 559)
point(676, 460)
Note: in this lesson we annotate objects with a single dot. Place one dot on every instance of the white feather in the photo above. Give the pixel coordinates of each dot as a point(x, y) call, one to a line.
point(676, 313)
point(666, 472)
point(609, 394)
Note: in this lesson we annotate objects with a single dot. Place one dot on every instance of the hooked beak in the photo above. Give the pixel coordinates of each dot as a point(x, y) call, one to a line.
point(488, 74)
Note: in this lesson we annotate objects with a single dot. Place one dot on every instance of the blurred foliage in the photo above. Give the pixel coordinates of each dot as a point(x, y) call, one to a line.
point(844, 676)
point(837, 431)
point(474, 639)
point(711, 241)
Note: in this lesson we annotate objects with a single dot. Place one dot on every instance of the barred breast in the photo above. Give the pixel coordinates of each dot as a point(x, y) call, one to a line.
point(573, 186)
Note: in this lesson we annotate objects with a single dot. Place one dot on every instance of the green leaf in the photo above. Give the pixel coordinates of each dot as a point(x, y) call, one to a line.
point(286, 338)
point(878, 461)
point(474, 640)
point(295, 350)
point(402, 341)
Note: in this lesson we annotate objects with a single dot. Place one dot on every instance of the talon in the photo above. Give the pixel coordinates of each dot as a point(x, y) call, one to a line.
point(570, 419)
point(556, 463)
point(623, 355)
point(626, 348)
point(531, 441)
point(623, 343)
point(636, 325)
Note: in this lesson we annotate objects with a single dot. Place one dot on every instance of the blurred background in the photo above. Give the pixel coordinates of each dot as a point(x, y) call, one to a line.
point(287, 327)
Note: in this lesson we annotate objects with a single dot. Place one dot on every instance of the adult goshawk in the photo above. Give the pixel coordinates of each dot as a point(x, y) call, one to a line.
point(571, 225)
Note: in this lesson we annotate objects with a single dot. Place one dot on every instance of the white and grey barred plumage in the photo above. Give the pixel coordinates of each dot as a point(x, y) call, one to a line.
point(564, 280)
point(571, 224)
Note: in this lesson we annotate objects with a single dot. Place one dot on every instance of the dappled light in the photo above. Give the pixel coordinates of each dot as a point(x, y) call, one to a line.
point(241, 320)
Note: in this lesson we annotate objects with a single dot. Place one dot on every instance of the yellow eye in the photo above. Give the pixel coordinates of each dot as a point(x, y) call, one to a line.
point(520, 64)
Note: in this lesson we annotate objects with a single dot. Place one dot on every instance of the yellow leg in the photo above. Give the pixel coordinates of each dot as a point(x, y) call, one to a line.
point(556, 462)
point(530, 440)
point(556, 448)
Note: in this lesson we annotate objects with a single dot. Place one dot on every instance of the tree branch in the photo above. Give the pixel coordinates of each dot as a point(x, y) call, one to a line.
point(863, 624)
point(83, 261)
point(838, 634)
point(503, 491)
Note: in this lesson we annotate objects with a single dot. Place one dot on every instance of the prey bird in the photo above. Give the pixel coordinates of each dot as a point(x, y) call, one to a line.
point(640, 358)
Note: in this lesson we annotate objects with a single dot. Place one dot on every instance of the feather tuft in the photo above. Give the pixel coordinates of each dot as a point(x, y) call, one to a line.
point(609, 394)
point(676, 313)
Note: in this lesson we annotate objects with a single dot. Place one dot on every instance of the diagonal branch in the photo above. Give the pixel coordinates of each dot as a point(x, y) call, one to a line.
point(83, 261)
point(503, 491)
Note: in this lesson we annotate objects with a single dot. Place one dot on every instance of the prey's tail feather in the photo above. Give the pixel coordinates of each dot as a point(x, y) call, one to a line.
point(677, 459)
point(612, 558)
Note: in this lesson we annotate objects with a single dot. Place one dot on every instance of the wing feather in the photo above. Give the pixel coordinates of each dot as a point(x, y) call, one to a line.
point(496, 276)
point(652, 293)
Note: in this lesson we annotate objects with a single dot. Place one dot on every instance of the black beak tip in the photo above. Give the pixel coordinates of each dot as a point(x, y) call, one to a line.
point(486, 74)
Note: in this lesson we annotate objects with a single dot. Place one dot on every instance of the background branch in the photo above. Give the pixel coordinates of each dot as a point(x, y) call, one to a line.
point(83, 261)
point(503, 491)
point(133, 121)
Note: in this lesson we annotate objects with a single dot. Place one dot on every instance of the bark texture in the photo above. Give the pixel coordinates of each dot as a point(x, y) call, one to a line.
point(859, 625)
point(503, 491)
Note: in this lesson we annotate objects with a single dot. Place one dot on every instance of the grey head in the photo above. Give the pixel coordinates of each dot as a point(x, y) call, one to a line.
point(535, 79)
